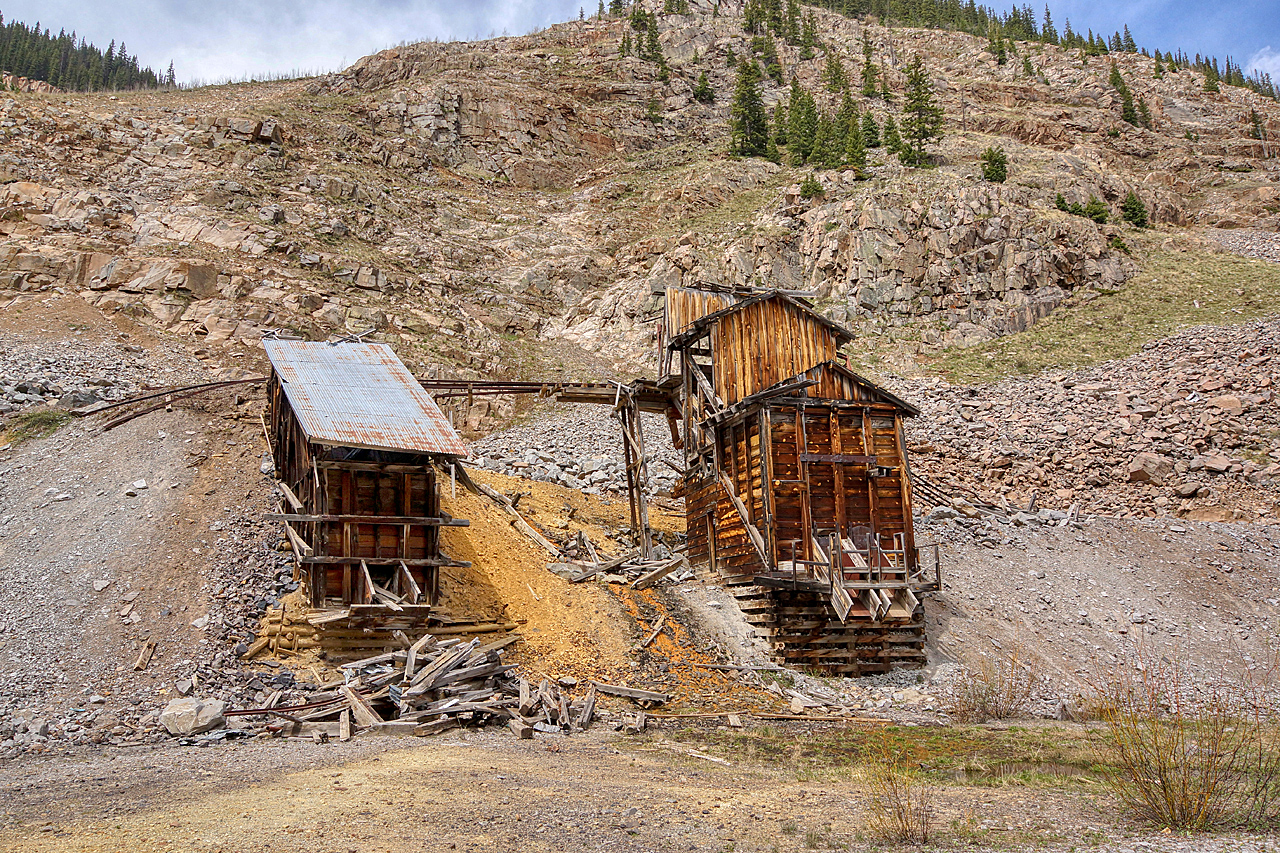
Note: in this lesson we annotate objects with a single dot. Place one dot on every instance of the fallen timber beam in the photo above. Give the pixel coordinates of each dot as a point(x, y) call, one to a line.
point(631, 693)
point(409, 520)
point(517, 519)
point(592, 571)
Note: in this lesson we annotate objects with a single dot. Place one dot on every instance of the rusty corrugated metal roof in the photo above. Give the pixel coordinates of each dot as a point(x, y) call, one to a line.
point(360, 395)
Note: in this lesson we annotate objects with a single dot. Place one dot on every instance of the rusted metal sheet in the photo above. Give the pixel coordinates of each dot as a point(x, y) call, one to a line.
point(360, 395)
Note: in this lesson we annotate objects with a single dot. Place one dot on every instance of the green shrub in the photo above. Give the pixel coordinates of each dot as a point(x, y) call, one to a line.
point(995, 166)
point(1134, 211)
point(810, 187)
point(35, 424)
point(1097, 210)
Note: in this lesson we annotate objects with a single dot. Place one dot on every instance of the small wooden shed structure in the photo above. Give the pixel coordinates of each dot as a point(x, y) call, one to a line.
point(358, 448)
point(797, 488)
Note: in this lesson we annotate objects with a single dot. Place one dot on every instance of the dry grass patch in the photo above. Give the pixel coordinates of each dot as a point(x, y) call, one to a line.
point(998, 689)
point(37, 424)
point(1174, 290)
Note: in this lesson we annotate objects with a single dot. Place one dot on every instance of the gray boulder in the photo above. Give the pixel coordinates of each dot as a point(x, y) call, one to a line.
point(191, 716)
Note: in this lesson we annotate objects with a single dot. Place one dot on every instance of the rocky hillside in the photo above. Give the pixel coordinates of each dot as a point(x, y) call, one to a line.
point(509, 207)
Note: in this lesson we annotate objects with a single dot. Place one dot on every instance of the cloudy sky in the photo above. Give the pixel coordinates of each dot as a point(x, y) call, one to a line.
point(233, 38)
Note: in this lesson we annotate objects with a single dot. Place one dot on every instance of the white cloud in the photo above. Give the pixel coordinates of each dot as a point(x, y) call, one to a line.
point(233, 38)
point(1267, 61)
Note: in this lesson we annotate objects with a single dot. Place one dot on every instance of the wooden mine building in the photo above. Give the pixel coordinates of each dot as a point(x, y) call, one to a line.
point(796, 486)
point(358, 448)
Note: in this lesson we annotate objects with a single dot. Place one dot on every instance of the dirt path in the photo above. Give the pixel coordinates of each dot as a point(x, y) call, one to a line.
point(475, 791)
point(472, 792)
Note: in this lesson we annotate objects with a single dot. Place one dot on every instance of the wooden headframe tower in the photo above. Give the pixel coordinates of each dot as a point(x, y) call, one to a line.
point(796, 486)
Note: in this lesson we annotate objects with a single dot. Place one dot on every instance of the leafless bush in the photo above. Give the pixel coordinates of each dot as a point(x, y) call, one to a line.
point(1193, 757)
point(997, 690)
point(901, 806)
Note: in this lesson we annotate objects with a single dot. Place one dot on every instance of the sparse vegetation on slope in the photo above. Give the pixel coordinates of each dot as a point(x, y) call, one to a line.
point(1175, 289)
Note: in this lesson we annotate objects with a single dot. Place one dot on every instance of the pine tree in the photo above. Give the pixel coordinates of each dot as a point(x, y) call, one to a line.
point(995, 165)
point(1211, 79)
point(921, 115)
point(600, 10)
point(890, 137)
point(791, 26)
point(1127, 112)
point(808, 37)
point(833, 74)
point(1097, 210)
point(1133, 211)
point(802, 124)
point(1144, 114)
point(702, 91)
point(1115, 80)
point(652, 47)
point(771, 64)
point(1048, 33)
point(779, 124)
point(1256, 120)
point(870, 130)
point(810, 187)
point(846, 117)
point(870, 75)
point(1127, 43)
point(1159, 72)
point(855, 151)
point(827, 152)
point(625, 48)
point(617, 7)
point(995, 46)
point(170, 78)
point(748, 122)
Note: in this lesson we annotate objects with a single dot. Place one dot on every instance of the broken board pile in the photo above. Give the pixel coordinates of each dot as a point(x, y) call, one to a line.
point(435, 685)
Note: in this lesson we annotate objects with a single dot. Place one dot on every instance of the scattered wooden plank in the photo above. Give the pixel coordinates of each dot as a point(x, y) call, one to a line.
point(327, 616)
point(526, 698)
point(588, 712)
point(831, 718)
point(361, 709)
point(633, 693)
point(735, 722)
point(657, 629)
point(520, 728)
point(517, 519)
point(435, 727)
point(144, 656)
point(300, 547)
point(344, 725)
point(649, 579)
point(604, 567)
point(256, 647)
point(290, 496)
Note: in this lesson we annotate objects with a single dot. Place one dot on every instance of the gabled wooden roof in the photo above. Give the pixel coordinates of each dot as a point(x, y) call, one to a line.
point(866, 384)
point(798, 386)
point(696, 329)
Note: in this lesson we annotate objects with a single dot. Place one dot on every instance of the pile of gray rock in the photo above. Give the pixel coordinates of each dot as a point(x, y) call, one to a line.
point(1185, 426)
point(580, 447)
point(73, 374)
